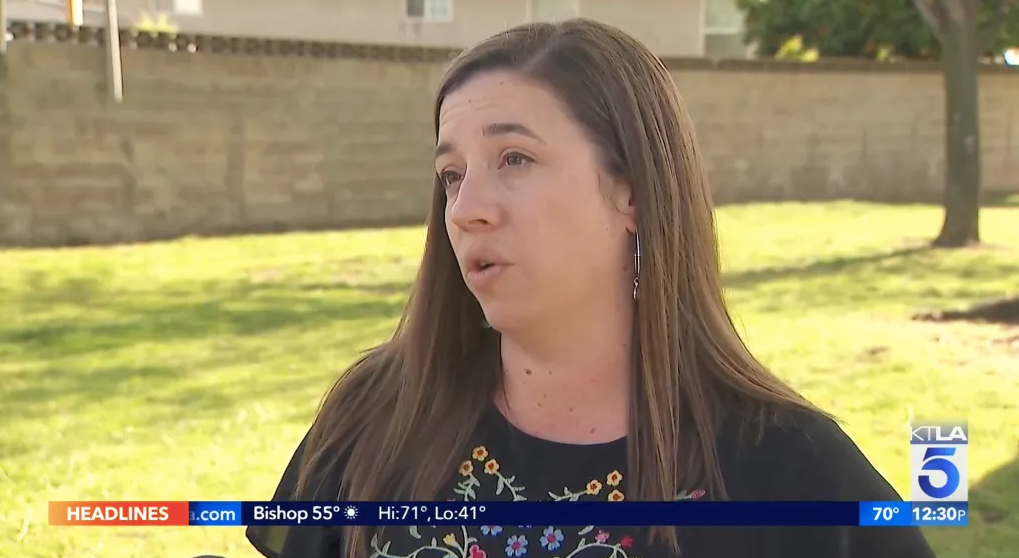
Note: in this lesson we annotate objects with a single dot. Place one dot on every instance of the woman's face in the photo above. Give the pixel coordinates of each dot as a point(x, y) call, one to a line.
point(539, 230)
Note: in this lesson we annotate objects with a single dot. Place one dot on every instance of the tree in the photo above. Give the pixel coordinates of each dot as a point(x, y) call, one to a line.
point(958, 32)
point(876, 29)
point(840, 28)
point(956, 24)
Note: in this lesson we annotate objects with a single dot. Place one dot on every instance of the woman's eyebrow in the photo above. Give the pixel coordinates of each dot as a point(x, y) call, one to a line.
point(506, 128)
point(495, 129)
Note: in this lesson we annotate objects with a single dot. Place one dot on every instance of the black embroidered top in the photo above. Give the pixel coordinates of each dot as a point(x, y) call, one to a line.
point(805, 458)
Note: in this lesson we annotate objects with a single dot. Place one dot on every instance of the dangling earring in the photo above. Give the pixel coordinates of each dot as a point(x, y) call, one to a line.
point(636, 263)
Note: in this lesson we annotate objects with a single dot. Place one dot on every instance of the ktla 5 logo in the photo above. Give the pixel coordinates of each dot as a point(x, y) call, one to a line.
point(939, 462)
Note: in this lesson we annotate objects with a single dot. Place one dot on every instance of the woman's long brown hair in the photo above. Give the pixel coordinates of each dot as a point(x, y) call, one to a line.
point(399, 419)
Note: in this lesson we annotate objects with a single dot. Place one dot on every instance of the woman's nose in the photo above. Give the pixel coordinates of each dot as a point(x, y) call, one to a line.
point(475, 206)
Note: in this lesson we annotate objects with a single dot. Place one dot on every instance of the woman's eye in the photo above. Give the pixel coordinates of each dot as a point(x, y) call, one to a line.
point(516, 159)
point(448, 178)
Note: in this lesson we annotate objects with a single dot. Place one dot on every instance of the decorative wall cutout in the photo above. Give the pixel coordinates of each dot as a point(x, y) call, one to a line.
point(253, 46)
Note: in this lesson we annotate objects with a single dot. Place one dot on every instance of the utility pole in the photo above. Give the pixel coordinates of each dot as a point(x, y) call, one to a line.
point(75, 13)
point(3, 27)
point(114, 69)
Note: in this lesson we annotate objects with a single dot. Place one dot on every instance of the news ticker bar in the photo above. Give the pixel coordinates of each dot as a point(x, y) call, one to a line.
point(213, 514)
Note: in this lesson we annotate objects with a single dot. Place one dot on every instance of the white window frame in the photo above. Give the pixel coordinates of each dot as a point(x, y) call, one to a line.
point(427, 16)
point(189, 7)
point(711, 31)
point(529, 14)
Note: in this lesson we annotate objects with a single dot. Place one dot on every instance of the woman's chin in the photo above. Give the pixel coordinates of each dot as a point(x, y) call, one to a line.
point(495, 324)
point(502, 319)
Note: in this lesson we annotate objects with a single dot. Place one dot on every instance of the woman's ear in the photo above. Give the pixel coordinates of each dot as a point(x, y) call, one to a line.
point(622, 200)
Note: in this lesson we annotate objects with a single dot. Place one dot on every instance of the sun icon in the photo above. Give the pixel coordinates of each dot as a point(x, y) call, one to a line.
point(350, 512)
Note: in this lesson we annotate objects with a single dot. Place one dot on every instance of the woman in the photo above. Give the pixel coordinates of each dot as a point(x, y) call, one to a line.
point(567, 338)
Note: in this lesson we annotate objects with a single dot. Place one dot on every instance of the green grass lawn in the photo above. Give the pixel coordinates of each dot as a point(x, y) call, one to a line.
point(189, 370)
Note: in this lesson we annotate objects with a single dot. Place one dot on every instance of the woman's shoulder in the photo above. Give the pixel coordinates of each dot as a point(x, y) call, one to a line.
point(286, 542)
point(799, 455)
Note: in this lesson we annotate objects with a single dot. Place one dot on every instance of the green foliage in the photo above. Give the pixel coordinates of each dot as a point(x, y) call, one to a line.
point(857, 28)
point(793, 49)
point(160, 24)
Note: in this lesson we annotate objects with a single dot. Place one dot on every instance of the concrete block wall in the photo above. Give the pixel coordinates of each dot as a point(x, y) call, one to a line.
point(219, 135)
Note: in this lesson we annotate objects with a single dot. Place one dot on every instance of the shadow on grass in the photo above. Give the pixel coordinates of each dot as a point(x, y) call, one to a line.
point(155, 398)
point(994, 519)
point(818, 268)
point(197, 312)
point(996, 497)
point(193, 351)
point(1005, 311)
point(917, 277)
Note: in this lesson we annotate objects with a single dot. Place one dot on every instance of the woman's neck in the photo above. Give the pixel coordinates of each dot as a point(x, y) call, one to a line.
point(569, 388)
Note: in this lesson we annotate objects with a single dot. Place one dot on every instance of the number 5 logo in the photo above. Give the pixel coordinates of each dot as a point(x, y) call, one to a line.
point(937, 459)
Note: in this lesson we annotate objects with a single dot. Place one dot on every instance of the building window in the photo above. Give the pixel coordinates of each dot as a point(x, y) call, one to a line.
point(552, 10)
point(429, 10)
point(723, 29)
point(176, 7)
point(187, 7)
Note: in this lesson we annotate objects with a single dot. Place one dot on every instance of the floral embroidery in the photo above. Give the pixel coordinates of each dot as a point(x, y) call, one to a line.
point(601, 541)
point(434, 547)
point(696, 494)
point(504, 483)
point(614, 478)
point(592, 488)
point(516, 545)
point(554, 541)
point(551, 538)
point(465, 488)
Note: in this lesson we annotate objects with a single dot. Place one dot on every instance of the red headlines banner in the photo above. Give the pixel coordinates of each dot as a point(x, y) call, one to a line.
point(133, 514)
